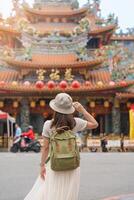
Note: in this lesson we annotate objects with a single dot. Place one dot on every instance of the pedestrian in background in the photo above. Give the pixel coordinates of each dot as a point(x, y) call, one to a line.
point(104, 142)
point(18, 131)
point(122, 143)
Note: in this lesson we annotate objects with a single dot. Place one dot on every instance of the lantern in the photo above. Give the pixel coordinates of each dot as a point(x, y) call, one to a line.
point(45, 114)
point(39, 84)
point(92, 104)
point(99, 83)
point(42, 103)
point(27, 83)
point(123, 83)
point(15, 104)
point(32, 104)
point(106, 104)
point(76, 84)
point(2, 83)
point(88, 83)
point(51, 84)
point(128, 104)
point(1, 104)
point(116, 103)
point(63, 84)
point(14, 83)
point(111, 83)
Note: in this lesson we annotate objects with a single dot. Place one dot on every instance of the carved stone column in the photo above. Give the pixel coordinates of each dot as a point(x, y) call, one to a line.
point(106, 123)
point(24, 114)
point(116, 118)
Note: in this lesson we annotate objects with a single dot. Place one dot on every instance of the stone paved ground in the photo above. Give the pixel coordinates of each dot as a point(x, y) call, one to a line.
point(102, 175)
point(122, 197)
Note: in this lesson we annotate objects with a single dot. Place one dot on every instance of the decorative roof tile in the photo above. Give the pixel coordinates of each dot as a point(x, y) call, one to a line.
point(9, 29)
point(103, 76)
point(122, 37)
point(125, 95)
point(9, 76)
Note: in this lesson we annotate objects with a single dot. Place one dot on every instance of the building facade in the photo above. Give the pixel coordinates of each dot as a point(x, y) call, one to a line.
point(55, 46)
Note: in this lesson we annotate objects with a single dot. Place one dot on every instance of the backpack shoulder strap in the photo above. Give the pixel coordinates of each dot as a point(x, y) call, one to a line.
point(47, 160)
point(63, 128)
point(55, 132)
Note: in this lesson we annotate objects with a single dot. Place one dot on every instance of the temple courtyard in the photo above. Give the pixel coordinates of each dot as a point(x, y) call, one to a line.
point(102, 175)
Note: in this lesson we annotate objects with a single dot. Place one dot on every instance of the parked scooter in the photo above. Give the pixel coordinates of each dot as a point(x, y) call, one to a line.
point(23, 144)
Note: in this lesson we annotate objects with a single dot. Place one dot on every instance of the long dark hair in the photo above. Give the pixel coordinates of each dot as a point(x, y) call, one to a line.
point(63, 120)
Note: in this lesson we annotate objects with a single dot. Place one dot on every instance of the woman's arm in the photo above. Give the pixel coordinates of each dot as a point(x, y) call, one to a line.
point(92, 123)
point(44, 156)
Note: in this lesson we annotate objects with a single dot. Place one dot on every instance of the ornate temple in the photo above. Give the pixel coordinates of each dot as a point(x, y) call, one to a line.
point(56, 46)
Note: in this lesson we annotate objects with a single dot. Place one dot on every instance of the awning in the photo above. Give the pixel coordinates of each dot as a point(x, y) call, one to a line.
point(6, 116)
point(3, 115)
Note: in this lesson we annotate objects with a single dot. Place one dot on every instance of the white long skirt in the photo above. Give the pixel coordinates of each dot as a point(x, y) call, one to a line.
point(56, 186)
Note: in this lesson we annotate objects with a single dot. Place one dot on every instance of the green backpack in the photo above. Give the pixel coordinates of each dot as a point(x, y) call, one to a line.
point(64, 153)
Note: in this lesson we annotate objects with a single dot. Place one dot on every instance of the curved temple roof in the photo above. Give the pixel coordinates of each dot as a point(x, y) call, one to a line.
point(57, 61)
point(67, 28)
point(100, 30)
point(56, 12)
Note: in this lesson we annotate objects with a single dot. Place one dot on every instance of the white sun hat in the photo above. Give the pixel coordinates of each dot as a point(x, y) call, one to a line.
point(62, 103)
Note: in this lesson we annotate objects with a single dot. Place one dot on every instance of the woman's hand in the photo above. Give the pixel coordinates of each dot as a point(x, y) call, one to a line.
point(78, 107)
point(92, 123)
point(43, 172)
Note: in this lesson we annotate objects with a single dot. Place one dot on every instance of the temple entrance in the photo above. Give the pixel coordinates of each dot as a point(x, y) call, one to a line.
point(125, 123)
point(101, 128)
point(105, 124)
point(93, 43)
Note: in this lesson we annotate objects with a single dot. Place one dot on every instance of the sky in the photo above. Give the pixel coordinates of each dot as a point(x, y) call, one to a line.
point(122, 8)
